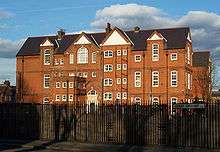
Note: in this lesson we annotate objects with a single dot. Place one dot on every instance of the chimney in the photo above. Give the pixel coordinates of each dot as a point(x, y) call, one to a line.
point(60, 34)
point(136, 29)
point(108, 28)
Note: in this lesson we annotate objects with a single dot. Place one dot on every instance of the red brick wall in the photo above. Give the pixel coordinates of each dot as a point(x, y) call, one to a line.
point(34, 70)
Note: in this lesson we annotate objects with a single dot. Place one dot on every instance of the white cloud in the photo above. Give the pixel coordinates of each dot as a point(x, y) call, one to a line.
point(205, 26)
point(8, 48)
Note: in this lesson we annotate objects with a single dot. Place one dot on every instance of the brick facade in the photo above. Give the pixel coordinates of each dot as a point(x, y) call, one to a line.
point(31, 69)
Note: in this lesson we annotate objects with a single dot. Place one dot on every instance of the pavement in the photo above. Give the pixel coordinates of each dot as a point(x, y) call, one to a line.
point(51, 146)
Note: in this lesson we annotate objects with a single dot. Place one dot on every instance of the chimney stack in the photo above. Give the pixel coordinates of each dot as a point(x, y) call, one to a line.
point(108, 28)
point(136, 29)
point(60, 34)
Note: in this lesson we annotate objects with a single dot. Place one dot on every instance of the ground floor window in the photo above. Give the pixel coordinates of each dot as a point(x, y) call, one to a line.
point(173, 101)
point(137, 100)
point(155, 101)
point(46, 100)
point(108, 96)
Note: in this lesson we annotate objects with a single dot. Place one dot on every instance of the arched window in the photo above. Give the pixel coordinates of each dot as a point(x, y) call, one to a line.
point(137, 100)
point(155, 101)
point(155, 79)
point(92, 92)
point(82, 55)
point(71, 58)
point(155, 52)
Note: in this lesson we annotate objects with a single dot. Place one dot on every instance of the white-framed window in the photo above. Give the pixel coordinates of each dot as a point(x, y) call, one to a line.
point(57, 97)
point(155, 52)
point(64, 97)
point(85, 74)
point(155, 79)
point(124, 81)
point(61, 61)
point(125, 52)
point(70, 97)
point(188, 55)
point(47, 57)
point(155, 101)
point(71, 58)
point(173, 101)
point(107, 96)
point(118, 80)
point(174, 78)
point(137, 58)
point(173, 56)
point(79, 74)
point(137, 100)
point(137, 76)
point(118, 66)
point(188, 80)
point(118, 95)
point(93, 74)
point(71, 84)
point(125, 66)
point(118, 52)
point(94, 57)
point(82, 55)
point(71, 74)
point(46, 80)
point(64, 84)
point(108, 54)
point(108, 82)
point(57, 84)
point(108, 68)
point(46, 100)
point(92, 92)
point(124, 95)
point(56, 62)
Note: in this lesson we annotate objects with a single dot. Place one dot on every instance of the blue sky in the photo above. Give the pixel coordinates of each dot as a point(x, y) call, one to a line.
point(22, 18)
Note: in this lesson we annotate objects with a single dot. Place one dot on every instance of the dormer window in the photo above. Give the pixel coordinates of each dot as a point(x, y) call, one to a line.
point(47, 57)
point(155, 52)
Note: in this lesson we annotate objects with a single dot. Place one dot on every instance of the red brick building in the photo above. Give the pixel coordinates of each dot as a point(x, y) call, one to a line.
point(136, 66)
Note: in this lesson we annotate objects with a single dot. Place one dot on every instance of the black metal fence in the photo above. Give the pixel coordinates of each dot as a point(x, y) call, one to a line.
point(139, 125)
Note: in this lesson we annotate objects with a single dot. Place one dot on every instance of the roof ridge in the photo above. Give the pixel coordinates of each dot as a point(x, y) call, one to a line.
point(183, 27)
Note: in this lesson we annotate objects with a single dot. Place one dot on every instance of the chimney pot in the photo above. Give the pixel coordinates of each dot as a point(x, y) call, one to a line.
point(136, 29)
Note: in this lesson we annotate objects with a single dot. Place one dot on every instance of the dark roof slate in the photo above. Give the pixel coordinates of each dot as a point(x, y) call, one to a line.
point(201, 59)
point(176, 38)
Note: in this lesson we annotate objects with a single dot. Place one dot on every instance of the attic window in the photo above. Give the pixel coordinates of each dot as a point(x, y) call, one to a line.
point(47, 57)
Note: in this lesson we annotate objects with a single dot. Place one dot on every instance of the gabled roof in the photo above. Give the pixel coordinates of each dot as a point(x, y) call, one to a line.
point(176, 38)
point(122, 34)
point(156, 36)
point(201, 59)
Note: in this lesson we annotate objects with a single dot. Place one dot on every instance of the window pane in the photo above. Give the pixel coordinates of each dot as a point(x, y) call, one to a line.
point(71, 58)
point(82, 55)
